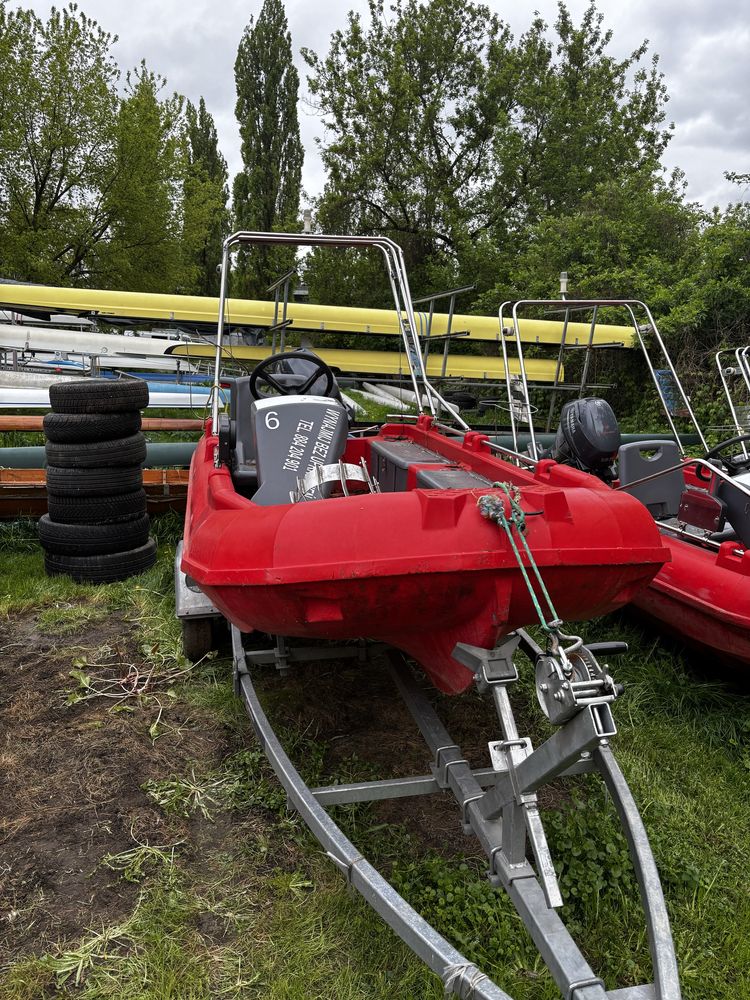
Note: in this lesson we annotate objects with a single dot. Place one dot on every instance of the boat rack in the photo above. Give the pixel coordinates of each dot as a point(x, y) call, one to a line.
point(498, 805)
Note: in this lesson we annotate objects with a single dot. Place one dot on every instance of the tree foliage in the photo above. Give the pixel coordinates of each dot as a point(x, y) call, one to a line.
point(448, 135)
point(97, 186)
point(58, 104)
point(266, 192)
point(206, 218)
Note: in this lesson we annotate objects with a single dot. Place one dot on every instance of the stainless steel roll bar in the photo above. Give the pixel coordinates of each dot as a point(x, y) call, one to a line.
point(742, 369)
point(396, 269)
point(568, 305)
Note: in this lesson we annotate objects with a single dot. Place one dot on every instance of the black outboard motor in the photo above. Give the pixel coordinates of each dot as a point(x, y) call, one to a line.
point(588, 437)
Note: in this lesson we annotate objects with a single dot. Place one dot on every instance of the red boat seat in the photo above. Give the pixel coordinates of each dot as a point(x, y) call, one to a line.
point(640, 459)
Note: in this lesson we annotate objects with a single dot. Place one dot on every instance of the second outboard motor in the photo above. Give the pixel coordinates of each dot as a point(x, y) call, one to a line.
point(588, 437)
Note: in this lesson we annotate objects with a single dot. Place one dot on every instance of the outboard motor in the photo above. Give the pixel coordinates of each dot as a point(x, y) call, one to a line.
point(588, 437)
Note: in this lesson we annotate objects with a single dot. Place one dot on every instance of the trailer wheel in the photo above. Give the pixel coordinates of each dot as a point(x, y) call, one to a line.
point(92, 539)
point(94, 482)
point(99, 395)
point(96, 454)
point(76, 427)
point(197, 638)
point(102, 568)
point(96, 510)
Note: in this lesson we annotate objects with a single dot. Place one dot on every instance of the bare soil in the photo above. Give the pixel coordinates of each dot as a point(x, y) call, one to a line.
point(71, 778)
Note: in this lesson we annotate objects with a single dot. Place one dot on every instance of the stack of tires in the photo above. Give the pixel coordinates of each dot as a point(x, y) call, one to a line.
point(97, 528)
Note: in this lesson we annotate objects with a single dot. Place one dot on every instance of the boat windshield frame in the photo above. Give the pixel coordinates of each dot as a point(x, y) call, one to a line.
point(631, 307)
point(725, 372)
point(399, 282)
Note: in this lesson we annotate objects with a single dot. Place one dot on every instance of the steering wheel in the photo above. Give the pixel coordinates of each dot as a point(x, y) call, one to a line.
point(733, 465)
point(270, 373)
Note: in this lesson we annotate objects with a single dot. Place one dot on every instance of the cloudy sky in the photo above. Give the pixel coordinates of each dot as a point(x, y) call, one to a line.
point(703, 49)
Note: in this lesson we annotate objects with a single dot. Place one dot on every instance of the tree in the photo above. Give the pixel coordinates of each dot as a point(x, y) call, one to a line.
point(266, 192)
point(409, 128)
point(58, 108)
point(144, 248)
point(206, 219)
point(445, 134)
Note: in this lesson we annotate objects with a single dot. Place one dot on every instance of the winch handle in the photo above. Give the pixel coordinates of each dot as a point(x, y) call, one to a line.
point(610, 648)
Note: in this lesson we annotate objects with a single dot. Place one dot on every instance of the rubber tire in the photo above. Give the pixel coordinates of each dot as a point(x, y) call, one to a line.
point(464, 400)
point(92, 539)
point(102, 568)
point(96, 510)
point(96, 482)
point(197, 638)
point(66, 428)
point(96, 454)
point(99, 395)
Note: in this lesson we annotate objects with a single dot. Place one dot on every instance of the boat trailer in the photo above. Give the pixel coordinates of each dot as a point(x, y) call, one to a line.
point(498, 804)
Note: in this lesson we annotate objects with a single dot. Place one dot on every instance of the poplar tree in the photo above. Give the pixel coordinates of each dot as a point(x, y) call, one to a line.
point(266, 193)
point(206, 219)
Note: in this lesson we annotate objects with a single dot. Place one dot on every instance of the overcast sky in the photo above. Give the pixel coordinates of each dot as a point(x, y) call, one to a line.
point(704, 50)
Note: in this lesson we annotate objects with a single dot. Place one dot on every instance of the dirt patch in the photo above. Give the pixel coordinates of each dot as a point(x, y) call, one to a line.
point(72, 778)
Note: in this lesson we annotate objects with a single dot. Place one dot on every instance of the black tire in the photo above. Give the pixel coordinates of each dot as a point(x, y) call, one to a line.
point(97, 510)
point(92, 539)
point(95, 482)
point(197, 638)
point(99, 395)
point(464, 400)
point(75, 427)
point(95, 454)
point(102, 568)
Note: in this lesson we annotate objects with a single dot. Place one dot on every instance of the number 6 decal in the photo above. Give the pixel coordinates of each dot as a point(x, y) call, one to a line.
point(272, 420)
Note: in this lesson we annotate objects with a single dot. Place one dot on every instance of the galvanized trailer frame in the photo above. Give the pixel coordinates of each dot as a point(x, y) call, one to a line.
point(498, 805)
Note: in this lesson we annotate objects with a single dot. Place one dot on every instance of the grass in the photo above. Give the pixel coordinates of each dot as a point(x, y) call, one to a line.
point(243, 904)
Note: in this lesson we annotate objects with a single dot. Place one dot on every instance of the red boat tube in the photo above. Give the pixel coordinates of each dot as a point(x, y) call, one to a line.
point(703, 597)
point(417, 565)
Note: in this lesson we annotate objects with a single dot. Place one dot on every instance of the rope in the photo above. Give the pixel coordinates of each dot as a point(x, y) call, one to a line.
point(455, 976)
point(493, 508)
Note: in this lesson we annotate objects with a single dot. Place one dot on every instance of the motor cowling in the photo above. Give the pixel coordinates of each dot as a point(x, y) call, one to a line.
point(588, 437)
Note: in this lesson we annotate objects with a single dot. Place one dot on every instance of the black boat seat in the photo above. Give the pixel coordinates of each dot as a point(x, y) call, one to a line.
point(451, 478)
point(390, 461)
point(644, 458)
point(291, 435)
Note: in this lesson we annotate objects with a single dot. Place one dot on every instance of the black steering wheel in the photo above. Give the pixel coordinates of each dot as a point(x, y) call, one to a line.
point(277, 374)
point(733, 466)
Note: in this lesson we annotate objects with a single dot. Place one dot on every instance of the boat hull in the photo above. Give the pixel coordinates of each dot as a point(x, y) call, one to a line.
point(703, 597)
point(420, 569)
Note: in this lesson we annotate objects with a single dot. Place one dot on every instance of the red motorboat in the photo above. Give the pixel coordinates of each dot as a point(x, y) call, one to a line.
point(418, 535)
point(703, 594)
point(701, 505)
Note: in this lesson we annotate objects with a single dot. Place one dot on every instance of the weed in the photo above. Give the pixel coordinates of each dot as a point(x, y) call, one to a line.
point(142, 860)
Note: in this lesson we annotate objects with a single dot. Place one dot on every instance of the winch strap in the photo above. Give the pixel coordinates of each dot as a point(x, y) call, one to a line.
point(492, 507)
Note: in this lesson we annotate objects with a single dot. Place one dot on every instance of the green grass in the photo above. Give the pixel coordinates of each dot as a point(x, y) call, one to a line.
point(255, 910)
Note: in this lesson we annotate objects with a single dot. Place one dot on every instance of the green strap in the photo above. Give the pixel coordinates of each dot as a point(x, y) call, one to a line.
point(493, 508)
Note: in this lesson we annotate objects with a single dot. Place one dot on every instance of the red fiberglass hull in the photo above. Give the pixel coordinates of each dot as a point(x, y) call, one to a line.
point(420, 569)
point(703, 597)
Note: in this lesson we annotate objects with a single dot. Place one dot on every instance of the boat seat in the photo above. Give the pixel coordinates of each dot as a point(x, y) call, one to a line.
point(662, 495)
point(239, 438)
point(451, 478)
point(390, 461)
point(737, 505)
point(291, 435)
